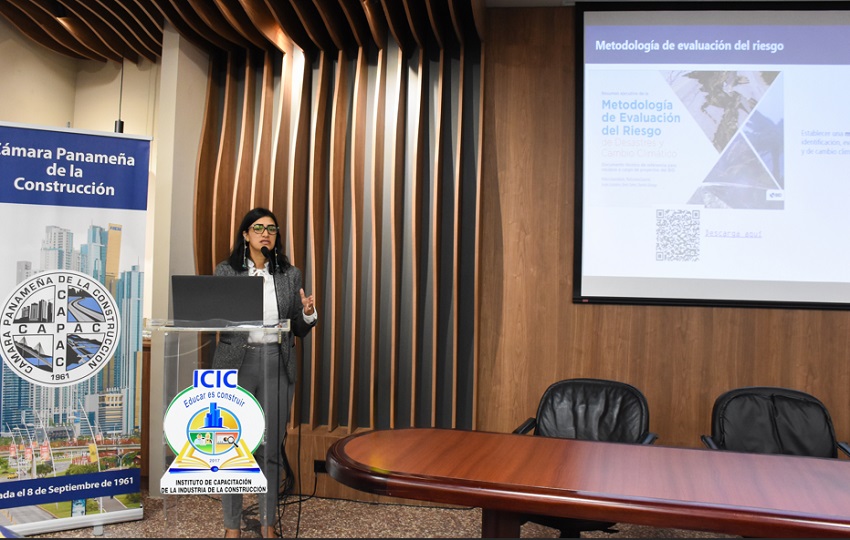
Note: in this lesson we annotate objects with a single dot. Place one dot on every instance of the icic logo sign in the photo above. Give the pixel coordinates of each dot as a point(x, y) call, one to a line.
point(214, 378)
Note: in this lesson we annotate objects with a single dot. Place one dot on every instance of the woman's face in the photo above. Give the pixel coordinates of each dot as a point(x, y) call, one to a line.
point(263, 238)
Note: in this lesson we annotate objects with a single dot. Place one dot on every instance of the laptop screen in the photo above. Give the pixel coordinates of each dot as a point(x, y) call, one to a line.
point(217, 301)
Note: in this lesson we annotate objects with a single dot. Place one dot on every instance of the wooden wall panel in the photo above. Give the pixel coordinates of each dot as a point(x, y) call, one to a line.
point(416, 180)
point(526, 230)
point(456, 181)
point(103, 29)
point(305, 194)
point(319, 119)
point(21, 20)
point(376, 228)
point(205, 178)
point(243, 19)
point(144, 23)
point(337, 158)
point(531, 334)
point(51, 31)
point(302, 225)
point(440, 121)
point(191, 25)
point(213, 21)
point(226, 156)
point(356, 242)
point(478, 247)
point(262, 175)
point(280, 166)
point(396, 224)
point(283, 172)
point(249, 125)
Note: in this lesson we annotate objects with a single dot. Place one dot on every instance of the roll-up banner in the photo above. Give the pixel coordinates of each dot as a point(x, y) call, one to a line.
point(72, 231)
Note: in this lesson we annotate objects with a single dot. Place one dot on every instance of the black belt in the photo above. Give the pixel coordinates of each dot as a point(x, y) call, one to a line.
point(261, 346)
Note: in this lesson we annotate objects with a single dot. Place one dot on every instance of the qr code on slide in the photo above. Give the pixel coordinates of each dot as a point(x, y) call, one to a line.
point(677, 235)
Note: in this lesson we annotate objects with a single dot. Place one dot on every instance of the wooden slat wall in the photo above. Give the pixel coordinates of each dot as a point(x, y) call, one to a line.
point(301, 211)
point(396, 230)
point(205, 179)
point(376, 230)
point(320, 190)
point(357, 240)
point(437, 179)
point(224, 180)
point(418, 105)
point(249, 125)
point(261, 192)
point(338, 162)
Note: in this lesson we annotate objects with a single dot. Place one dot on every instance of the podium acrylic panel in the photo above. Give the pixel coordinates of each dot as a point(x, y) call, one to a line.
point(213, 426)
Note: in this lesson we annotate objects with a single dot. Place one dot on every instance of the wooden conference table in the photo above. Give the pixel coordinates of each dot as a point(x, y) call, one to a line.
point(507, 475)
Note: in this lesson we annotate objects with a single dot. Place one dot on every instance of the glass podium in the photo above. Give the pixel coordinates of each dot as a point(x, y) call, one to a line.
point(223, 428)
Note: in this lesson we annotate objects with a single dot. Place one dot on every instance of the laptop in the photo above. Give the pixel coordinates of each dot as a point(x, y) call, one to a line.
point(217, 301)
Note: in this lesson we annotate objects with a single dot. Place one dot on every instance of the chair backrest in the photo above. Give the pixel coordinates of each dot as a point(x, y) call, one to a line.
point(771, 420)
point(593, 409)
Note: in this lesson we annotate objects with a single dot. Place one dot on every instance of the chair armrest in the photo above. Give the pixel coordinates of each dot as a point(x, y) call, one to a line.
point(709, 442)
point(649, 438)
point(844, 447)
point(526, 426)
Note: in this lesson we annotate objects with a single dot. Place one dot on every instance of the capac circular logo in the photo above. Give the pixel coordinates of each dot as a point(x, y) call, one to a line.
point(58, 328)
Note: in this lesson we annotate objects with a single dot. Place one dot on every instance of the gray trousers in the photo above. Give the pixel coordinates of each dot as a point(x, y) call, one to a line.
point(263, 376)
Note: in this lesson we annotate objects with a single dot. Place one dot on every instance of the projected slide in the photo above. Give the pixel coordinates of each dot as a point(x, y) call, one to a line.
point(715, 157)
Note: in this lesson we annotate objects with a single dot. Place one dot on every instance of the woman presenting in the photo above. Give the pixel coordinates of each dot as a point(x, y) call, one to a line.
point(265, 361)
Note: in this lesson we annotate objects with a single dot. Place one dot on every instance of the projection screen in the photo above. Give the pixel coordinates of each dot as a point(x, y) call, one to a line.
point(713, 154)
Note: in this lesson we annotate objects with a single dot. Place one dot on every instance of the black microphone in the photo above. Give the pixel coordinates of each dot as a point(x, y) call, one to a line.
point(268, 255)
point(272, 263)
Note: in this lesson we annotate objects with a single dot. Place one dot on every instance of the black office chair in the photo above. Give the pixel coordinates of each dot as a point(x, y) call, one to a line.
point(772, 420)
point(594, 410)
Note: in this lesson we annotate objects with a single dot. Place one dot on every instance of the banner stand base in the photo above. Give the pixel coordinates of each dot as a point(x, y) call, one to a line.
point(80, 522)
